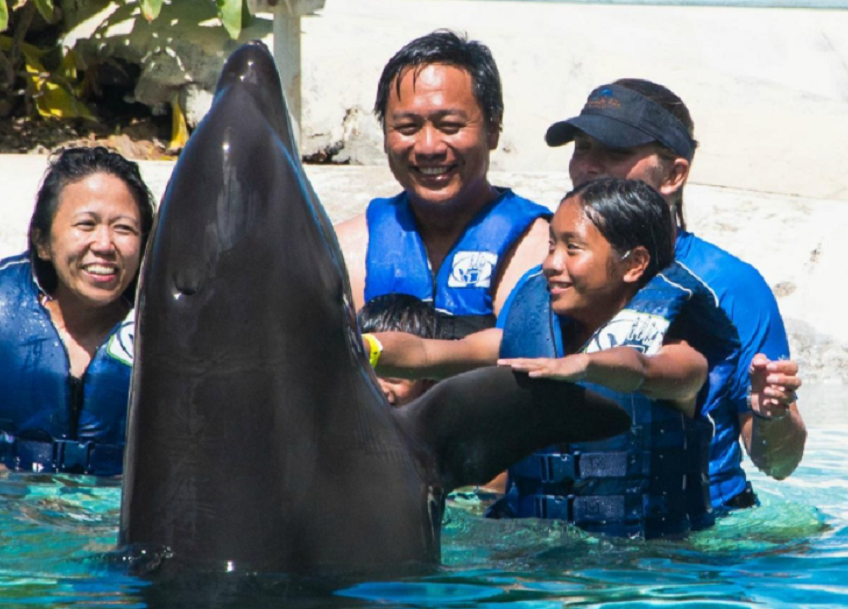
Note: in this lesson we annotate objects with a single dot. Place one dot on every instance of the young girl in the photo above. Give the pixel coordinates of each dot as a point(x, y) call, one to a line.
point(609, 308)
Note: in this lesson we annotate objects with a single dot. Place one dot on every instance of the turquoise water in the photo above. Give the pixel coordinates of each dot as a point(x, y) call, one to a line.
point(57, 534)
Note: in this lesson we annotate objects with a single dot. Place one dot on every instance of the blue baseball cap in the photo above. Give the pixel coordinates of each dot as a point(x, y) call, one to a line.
point(621, 118)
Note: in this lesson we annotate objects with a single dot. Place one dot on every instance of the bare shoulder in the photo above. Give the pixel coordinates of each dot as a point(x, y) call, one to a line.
point(530, 250)
point(352, 230)
point(353, 239)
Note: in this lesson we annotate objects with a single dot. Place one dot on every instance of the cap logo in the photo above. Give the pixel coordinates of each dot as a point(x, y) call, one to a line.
point(603, 100)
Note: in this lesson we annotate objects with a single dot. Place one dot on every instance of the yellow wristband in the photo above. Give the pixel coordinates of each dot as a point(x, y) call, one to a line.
point(375, 349)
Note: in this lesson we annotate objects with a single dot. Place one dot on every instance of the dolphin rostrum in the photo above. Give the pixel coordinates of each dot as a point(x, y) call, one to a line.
point(258, 438)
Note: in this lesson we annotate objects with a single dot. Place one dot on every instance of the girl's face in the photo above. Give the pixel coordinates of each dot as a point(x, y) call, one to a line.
point(586, 276)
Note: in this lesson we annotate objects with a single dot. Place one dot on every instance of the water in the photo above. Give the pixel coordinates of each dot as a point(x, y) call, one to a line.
point(57, 534)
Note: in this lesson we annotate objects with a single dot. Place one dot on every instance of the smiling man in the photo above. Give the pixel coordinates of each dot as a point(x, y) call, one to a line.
point(451, 237)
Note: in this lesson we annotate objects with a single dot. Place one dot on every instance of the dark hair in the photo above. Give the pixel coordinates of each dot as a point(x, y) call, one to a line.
point(629, 213)
point(68, 167)
point(446, 47)
point(672, 104)
point(399, 313)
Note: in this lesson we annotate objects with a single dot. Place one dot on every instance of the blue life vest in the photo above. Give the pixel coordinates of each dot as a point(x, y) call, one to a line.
point(46, 425)
point(461, 292)
point(652, 481)
point(747, 300)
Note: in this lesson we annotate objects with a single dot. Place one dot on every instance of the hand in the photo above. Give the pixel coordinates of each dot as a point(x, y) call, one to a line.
point(570, 368)
point(773, 386)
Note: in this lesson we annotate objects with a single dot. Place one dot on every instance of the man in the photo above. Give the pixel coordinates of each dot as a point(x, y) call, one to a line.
point(450, 238)
point(640, 130)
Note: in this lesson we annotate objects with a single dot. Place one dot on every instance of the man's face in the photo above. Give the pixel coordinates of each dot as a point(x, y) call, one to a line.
point(591, 160)
point(436, 137)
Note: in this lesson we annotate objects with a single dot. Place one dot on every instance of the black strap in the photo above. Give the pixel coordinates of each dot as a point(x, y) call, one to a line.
point(69, 456)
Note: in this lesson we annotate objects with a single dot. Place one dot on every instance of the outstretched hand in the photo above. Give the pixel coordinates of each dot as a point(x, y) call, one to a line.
point(570, 368)
point(773, 386)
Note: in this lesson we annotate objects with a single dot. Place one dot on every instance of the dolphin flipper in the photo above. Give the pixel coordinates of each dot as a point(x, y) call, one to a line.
point(479, 423)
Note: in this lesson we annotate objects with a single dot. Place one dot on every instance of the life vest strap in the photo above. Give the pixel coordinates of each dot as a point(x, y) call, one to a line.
point(626, 515)
point(71, 456)
point(553, 468)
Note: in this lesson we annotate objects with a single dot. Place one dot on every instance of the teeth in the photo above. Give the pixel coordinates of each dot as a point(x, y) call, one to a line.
point(100, 269)
point(433, 171)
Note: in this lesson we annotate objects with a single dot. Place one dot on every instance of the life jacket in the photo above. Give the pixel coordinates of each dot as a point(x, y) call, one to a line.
point(46, 425)
point(653, 480)
point(461, 291)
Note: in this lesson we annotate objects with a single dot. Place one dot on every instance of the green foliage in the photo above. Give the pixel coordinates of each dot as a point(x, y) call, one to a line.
point(150, 9)
point(233, 13)
point(230, 12)
point(45, 7)
point(44, 78)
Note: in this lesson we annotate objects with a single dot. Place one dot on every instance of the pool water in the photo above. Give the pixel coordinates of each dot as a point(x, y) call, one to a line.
point(58, 535)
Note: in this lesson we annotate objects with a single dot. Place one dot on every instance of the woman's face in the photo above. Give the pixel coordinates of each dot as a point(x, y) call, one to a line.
point(95, 240)
point(585, 274)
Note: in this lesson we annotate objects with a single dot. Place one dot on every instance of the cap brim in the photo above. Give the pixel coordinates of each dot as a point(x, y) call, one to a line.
point(607, 130)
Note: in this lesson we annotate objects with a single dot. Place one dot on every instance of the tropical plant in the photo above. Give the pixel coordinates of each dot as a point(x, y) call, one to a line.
point(46, 76)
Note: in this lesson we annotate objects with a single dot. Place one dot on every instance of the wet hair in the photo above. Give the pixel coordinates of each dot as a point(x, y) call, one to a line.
point(449, 48)
point(629, 213)
point(68, 167)
point(672, 104)
point(399, 313)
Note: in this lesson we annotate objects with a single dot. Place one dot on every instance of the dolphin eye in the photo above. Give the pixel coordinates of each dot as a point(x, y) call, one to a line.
point(187, 281)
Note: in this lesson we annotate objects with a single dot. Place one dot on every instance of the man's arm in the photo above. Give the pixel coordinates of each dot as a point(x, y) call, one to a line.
point(353, 239)
point(529, 251)
point(773, 432)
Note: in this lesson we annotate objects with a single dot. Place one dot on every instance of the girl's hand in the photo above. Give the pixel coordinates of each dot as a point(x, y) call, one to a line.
point(571, 368)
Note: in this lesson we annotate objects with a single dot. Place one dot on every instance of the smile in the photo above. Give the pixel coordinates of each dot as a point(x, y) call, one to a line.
point(101, 271)
point(557, 288)
point(434, 171)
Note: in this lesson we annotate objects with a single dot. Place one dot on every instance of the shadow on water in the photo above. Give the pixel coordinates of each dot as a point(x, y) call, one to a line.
point(58, 536)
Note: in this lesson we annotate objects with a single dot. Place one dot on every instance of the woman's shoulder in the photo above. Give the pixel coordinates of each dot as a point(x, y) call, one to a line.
point(15, 271)
point(15, 262)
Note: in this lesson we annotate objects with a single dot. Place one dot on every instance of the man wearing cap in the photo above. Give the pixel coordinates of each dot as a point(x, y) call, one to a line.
point(450, 238)
point(640, 130)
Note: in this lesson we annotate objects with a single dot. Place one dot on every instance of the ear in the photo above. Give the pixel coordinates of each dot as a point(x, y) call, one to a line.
point(493, 134)
point(42, 248)
point(637, 262)
point(675, 178)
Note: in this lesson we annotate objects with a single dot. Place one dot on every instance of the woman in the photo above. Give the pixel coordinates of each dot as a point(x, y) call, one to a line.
point(601, 313)
point(66, 317)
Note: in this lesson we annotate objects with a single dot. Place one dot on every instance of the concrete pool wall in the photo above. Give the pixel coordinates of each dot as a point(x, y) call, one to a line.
point(797, 243)
point(768, 89)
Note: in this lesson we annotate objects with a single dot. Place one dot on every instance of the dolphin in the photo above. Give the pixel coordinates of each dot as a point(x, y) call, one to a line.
point(258, 438)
